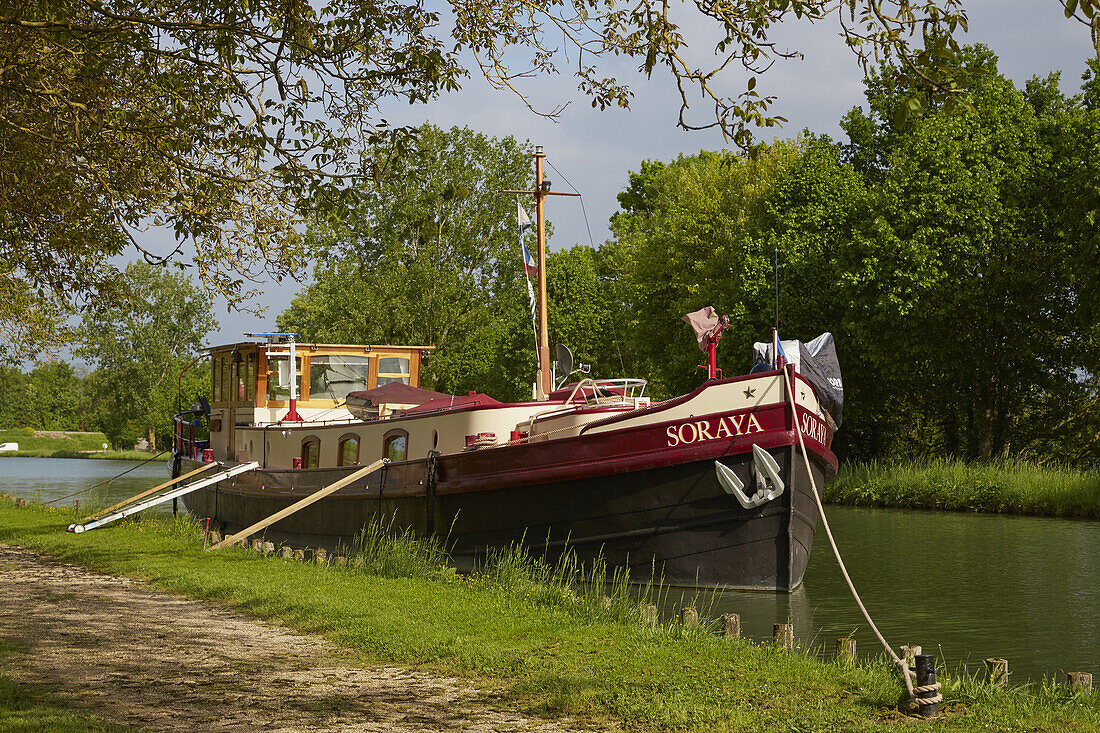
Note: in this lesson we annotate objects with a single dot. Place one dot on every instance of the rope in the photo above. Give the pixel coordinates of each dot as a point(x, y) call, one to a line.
point(905, 671)
point(106, 480)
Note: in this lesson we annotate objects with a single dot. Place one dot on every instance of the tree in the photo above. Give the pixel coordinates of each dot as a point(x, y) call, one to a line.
point(235, 123)
point(139, 347)
point(428, 255)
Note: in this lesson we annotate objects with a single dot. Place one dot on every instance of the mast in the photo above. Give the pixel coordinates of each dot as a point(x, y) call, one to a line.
point(542, 190)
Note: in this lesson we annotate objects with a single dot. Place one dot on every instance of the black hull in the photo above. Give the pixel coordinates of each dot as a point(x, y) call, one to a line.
point(674, 523)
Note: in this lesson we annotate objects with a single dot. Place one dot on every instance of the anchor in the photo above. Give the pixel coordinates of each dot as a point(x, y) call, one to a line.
point(766, 473)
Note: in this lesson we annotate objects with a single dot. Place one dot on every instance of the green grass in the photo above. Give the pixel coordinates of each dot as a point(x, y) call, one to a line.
point(1009, 487)
point(541, 634)
point(65, 445)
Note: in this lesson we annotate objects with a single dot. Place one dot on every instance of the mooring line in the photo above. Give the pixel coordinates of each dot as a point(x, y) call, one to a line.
point(106, 480)
point(905, 671)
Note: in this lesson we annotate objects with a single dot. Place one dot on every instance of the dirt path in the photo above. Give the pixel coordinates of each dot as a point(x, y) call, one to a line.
point(131, 655)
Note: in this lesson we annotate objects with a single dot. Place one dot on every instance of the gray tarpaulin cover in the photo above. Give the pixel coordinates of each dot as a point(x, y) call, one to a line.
point(816, 361)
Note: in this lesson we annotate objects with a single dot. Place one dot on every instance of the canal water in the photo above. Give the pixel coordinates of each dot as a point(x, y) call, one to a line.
point(963, 586)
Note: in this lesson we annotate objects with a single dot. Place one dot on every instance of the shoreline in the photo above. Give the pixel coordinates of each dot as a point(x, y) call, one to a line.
point(554, 651)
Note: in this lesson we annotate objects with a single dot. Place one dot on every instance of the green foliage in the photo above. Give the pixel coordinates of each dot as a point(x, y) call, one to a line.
point(49, 397)
point(140, 346)
point(429, 256)
point(1003, 486)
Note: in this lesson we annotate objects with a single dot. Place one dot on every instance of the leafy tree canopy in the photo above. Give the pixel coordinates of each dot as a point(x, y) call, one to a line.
point(140, 347)
point(233, 123)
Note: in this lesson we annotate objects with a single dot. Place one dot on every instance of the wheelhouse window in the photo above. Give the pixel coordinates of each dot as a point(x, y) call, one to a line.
point(333, 376)
point(349, 451)
point(395, 445)
point(278, 377)
point(311, 453)
point(393, 369)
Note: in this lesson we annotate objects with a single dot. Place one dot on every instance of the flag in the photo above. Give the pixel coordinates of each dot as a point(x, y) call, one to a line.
point(531, 297)
point(530, 267)
point(522, 219)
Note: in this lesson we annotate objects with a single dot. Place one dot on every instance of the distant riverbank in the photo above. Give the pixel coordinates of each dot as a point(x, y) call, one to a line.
point(1002, 487)
point(65, 444)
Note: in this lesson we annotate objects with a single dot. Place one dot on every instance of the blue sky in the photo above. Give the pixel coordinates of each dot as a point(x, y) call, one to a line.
point(595, 150)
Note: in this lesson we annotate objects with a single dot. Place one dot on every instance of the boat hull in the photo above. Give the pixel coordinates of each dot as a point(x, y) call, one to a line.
point(673, 523)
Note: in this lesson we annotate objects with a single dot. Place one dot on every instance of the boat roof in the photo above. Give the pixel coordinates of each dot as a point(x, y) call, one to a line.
point(398, 393)
point(309, 345)
point(473, 399)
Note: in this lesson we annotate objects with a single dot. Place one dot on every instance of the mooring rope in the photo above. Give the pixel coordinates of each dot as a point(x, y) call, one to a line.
point(106, 480)
point(905, 671)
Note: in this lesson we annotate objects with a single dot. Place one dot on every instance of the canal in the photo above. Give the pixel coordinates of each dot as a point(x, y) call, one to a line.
point(963, 586)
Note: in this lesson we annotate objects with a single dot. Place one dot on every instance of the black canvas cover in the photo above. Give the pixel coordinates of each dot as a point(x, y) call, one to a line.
point(816, 361)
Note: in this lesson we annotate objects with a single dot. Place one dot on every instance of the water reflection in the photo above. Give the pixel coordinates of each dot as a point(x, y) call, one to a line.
point(44, 479)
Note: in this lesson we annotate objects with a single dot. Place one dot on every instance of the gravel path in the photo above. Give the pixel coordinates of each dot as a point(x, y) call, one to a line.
point(131, 655)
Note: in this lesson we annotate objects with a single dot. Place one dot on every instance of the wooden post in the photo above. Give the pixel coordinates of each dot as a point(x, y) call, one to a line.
point(689, 617)
point(996, 671)
point(911, 653)
point(300, 555)
point(258, 546)
point(649, 615)
point(783, 635)
point(1080, 681)
point(339, 561)
point(268, 548)
point(605, 603)
point(846, 649)
point(286, 552)
point(320, 556)
point(731, 626)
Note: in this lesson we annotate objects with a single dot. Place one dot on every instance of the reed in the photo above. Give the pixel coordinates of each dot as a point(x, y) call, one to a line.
point(1004, 486)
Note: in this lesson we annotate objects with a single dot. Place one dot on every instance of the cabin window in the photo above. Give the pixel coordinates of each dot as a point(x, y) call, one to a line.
point(248, 384)
point(333, 376)
point(349, 451)
point(311, 453)
point(223, 390)
point(278, 377)
point(395, 445)
point(393, 369)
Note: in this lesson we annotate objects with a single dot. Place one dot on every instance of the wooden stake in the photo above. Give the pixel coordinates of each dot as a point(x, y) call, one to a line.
point(846, 649)
point(312, 498)
point(1080, 681)
point(783, 635)
point(649, 615)
point(689, 617)
point(142, 495)
point(996, 671)
point(731, 626)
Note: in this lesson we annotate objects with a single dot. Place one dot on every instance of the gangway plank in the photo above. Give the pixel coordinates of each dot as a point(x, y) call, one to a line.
point(155, 489)
point(166, 496)
point(301, 504)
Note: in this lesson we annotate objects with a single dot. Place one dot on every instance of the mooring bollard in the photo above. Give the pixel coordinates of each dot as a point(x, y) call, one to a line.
point(1080, 681)
point(649, 615)
point(689, 617)
point(783, 636)
point(299, 555)
point(996, 671)
point(846, 649)
point(927, 689)
point(731, 626)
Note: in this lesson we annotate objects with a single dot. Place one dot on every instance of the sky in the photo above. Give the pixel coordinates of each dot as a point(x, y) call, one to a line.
point(595, 150)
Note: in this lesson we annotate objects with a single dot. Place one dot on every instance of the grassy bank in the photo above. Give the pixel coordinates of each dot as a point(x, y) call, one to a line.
point(1008, 487)
point(62, 444)
point(542, 635)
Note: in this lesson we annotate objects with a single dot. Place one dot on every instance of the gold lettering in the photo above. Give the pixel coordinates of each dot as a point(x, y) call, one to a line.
point(673, 440)
point(737, 420)
point(694, 435)
point(704, 430)
point(722, 426)
point(753, 421)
